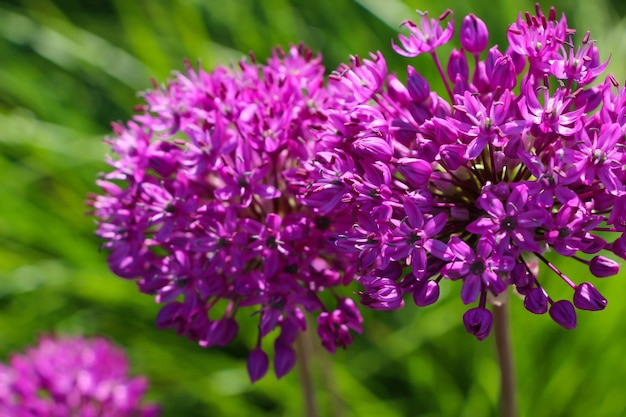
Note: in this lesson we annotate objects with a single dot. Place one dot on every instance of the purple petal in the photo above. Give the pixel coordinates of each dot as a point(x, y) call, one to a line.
point(470, 289)
point(482, 225)
point(460, 249)
point(475, 147)
point(455, 270)
point(284, 359)
point(517, 199)
point(266, 191)
point(439, 249)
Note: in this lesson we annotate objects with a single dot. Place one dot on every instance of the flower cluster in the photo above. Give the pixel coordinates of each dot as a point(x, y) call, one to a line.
point(200, 206)
point(71, 377)
point(521, 160)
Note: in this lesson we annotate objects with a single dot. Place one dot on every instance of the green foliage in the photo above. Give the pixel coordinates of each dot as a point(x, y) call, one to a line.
point(70, 67)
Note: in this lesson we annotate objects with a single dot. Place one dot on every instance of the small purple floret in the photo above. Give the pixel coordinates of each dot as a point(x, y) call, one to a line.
point(587, 297)
point(478, 321)
point(564, 314)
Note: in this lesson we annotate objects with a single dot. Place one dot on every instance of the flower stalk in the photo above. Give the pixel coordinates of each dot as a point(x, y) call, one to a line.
point(304, 352)
point(506, 362)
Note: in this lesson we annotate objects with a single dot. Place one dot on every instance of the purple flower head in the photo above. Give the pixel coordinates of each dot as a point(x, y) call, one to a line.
point(72, 376)
point(202, 206)
point(521, 159)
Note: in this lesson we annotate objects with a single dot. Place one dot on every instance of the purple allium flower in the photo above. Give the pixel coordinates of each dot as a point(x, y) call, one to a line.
point(72, 377)
point(523, 161)
point(201, 203)
point(426, 37)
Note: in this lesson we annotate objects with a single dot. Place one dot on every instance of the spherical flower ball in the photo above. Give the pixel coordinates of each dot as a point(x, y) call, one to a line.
point(519, 162)
point(201, 207)
point(72, 376)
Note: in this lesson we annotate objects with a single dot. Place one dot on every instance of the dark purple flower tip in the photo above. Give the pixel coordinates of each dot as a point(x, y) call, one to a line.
point(587, 297)
point(478, 322)
point(426, 293)
point(474, 35)
point(603, 267)
point(564, 314)
point(284, 359)
point(258, 362)
point(536, 301)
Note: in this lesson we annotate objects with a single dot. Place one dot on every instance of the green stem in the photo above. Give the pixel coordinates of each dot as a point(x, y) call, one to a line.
point(303, 349)
point(508, 395)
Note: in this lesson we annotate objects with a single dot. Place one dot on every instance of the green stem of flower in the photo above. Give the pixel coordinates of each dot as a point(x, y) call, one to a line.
point(303, 349)
point(508, 395)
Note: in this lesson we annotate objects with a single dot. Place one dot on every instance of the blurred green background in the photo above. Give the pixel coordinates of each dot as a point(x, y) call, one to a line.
point(69, 67)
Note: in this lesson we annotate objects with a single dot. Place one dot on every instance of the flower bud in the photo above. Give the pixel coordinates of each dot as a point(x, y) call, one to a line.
point(563, 313)
point(219, 333)
point(478, 322)
point(415, 171)
point(536, 301)
point(284, 358)
point(352, 315)
point(333, 331)
point(380, 293)
point(419, 89)
point(457, 66)
point(257, 365)
point(480, 79)
point(474, 35)
point(519, 60)
point(603, 267)
point(426, 293)
point(587, 297)
point(503, 74)
point(397, 91)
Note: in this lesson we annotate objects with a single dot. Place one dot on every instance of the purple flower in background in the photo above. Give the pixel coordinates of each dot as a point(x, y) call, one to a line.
point(201, 205)
point(71, 377)
point(521, 162)
point(426, 37)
